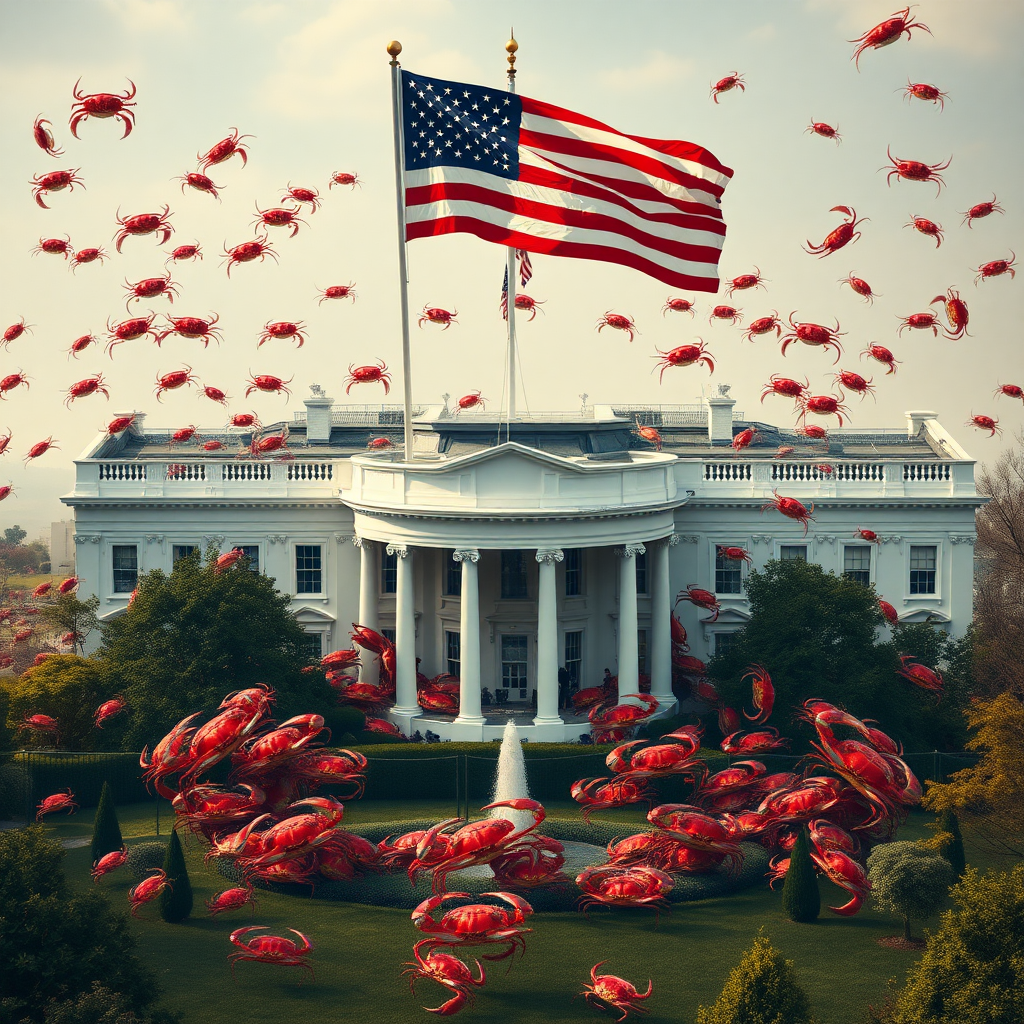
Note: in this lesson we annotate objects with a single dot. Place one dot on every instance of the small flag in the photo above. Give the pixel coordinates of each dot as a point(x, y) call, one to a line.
point(525, 267)
point(504, 296)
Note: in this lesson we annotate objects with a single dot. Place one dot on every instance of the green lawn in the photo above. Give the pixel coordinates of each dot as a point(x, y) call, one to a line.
point(360, 950)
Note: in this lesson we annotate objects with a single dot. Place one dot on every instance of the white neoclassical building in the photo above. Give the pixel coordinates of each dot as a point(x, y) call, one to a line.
point(504, 552)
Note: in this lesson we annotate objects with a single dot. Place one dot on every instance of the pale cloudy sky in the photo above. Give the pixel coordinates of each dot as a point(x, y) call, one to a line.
point(309, 79)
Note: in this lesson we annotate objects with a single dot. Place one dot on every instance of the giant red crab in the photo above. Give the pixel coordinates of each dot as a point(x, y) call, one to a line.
point(616, 885)
point(283, 329)
point(996, 268)
point(695, 828)
point(57, 802)
point(84, 388)
point(246, 252)
point(914, 170)
point(980, 210)
point(54, 181)
point(102, 105)
point(280, 217)
point(745, 281)
point(920, 675)
point(677, 757)
point(44, 137)
point(600, 793)
point(337, 291)
point(609, 990)
point(791, 508)
point(956, 313)
point(764, 741)
point(785, 387)
point(271, 949)
point(683, 355)
point(815, 335)
point(615, 722)
point(730, 313)
point(764, 693)
point(129, 330)
point(267, 383)
point(144, 224)
point(449, 971)
point(826, 131)
point(369, 375)
point(618, 322)
point(148, 890)
point(885, 33)
point(840, 236)
point(149, 288)
point(822, 405)
point(193, 327)
point(926, 227)
point(224, 150)
point(701, 598)
point(860, 286)
point(477, 924)
point(764, 325)
point(733, 81)
point(926, 92)
point(172, 381)
point(437, 315)
point(882, 355)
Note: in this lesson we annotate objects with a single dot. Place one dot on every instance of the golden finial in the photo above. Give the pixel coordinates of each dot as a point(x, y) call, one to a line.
point(394, 49)
point(510, 48)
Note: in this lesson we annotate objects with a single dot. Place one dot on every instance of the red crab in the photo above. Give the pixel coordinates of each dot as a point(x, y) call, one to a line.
point(245, 419)
point(184, 252)
point(610, 991)
point(846, 232)
point(54, 247)
point(785, 387)
point(54, 181)
point(886, 32)
point(5, 491)
point(173, 380)
point(869, 535)
point(826, 131)
point(14, 332)
point(200, 182)
point(980, 210)
point(1010, 391)
point(224, 150)
point(983, 422)
point(283, 329)
point(338, 291)
point(860, 286)
point(914, 170)
point(745, 281)
point(618, 322)
point(193, 327)
point(109, 862)
point(271, 949)
point(995, 268)
point(701, 598)
point(684, 355)
point(764, 741)
point(129, 330)
point(735, 554)
point(956, 313)
point(148, 889)
point(744, 439)
point(823, 405)
point(882, 355)
point(57, 802)
point(212, 446)
point(854, 382)
point(88, 255)
point(449, 971)
point(40, 448)
point(813, 335)
point(267, 382)
point(144, 224)
point(215, 395)
point(611, 722)
point(182, 436)
point(369, 375)
point(436, 315)
point(765, 325)
point(474, 925)
point(470, 401)
point(149, 288)
point(377, 443)
point(920, 322)
point(302, 195)
point(257, 249)
point(919, 675)
point(11, 381)
point(677, 306)
point(344, 178)
point(649, 434)
point(926, 227)
point(280, 217)
point(69, 585)
point(44, 137)
point(84, 388)
point(529, 305)
point(891, 615)
point(614, 885)
point(108, 709)
point(103, 105)
point(725, 84)
point(599, 793)
point(764, 693)
point(261, 446)
point(790, 508)
point(923, 91)
point(230, 899)
point(734, 316)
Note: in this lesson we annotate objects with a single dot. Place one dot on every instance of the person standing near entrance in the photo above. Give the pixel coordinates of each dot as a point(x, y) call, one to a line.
point(563, 688)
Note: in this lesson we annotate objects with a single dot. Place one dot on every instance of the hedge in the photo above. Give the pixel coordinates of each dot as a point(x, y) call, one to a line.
point(38, 774)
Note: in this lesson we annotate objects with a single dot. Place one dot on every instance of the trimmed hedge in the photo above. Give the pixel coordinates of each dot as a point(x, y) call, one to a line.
point(176, 899)
point(45, 772)
point(143, 857)
point(106, 832)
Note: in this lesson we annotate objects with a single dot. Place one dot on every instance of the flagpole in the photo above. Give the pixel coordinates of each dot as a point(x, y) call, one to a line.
point(394, 48)
point(510, 47)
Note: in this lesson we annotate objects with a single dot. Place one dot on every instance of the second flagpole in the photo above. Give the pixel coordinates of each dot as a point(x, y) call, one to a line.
point(511, 46)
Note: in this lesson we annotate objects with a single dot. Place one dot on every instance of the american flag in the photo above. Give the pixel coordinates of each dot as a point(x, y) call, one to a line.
point(525, 273)
point(527, 174)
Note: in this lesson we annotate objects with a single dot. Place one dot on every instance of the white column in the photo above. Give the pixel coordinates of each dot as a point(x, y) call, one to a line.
point(661, 627)
point(368, 603)
point(629, 653)
point(547, 639)
point(469, 638)
point(405, 635)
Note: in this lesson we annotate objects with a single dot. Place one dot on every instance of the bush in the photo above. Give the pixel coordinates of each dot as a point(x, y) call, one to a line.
point(953, 850)
point(102, 1006)
point(176, 899)
point(800, 897)
point(106, 832)
point(48, 771)
point(344, 719)
point(144, 857)
point(762, 989)
point(908, 880)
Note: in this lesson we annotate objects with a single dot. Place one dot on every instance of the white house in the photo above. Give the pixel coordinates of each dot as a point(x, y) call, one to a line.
point(506, 550)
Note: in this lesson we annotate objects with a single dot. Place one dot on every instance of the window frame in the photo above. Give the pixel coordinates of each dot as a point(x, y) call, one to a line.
point(579, 661)
point(936, 592)
point(448, 660)
point(259, 556)
point(643, 635)
point(526, 662)
point(573, 571)
point(452, 578)
point(869, 571)
point(642, 569)
point(321, 635)
point(388, 565)
point(525, 595)
point(194, 547)
point(322, 592)
point(738, 568)
point(114, 589)
point(782, 547)
point(718, 635)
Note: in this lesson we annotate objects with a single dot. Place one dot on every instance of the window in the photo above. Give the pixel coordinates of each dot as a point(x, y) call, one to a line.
point(308, 571)
point(388, 634)
point(641, 572)
point(453, 576)
point(723, 641)
point(513, 664)
point(388, 572)
point(793, 553)
point(574, 655)
point(180, 551)
point(314, 643)
point(252, 552)
point(126, 567)
point(728, 573)
point(641, 648)
point(857, 563)
point(573, 572)
point(922, 569)
point(452, 653)
point(513, 575)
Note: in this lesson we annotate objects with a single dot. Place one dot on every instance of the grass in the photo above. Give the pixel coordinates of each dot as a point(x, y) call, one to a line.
point(31, 582)
point(360, 951)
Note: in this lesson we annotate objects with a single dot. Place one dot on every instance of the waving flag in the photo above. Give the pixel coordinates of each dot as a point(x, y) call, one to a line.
point(525, 273)
point(524, 173)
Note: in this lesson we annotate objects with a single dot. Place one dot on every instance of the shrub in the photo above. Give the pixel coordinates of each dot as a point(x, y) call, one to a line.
point(102, 1006)
point(176, 899)
point(344, 719)
point(800, 897)
point(953, 851)
point(908, 880)
point(144, 857)
point(762, 989)
point(106, 832)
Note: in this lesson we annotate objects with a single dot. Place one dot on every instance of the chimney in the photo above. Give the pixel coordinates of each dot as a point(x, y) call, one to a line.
point(915, 420)
point(318, 416)
point(720, 416)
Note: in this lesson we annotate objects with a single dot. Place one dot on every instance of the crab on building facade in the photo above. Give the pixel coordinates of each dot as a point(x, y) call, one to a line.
point(503, 553)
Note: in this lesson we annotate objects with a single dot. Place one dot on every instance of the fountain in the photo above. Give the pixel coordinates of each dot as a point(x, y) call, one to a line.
point(510, 777)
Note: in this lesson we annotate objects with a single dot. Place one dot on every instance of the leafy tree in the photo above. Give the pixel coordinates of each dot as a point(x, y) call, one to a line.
point(14, 535)
point(800, 897)
point(762, 989)
point(55, 942)
point(971, 971)
point(176, 900)
point(65, 687)
point(68, 614)
point(908, 880)
point(989, 797)
point(817, 635)
point(106, 832)
point(948, 841)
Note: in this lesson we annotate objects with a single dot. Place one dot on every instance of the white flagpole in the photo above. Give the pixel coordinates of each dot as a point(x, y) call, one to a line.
point(511, 46)
point(394, 48)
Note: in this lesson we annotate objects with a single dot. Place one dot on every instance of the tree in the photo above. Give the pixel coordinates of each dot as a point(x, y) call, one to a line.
point(762, 989)
point(989, 797)
point(971, 972)
point(192, 636)
point(14, 535)
point(176, 899)
point(947, 829)
point(908, 880)
point(68, 614)
point(817, 635)
point(55, 941)
point(800, 897)
point(106, 832)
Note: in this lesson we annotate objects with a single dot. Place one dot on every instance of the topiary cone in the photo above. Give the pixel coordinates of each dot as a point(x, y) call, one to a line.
point(176, 901)
point(954, 851)
point(800, 897)
point(106, 832)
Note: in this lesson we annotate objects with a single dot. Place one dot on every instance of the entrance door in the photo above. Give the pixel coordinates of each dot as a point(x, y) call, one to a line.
point(513, 666)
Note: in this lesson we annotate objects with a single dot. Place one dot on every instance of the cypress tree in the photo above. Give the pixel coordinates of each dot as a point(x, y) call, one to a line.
point(106, 832)
point(800, 897)
point(953, 851)
point(176, 900)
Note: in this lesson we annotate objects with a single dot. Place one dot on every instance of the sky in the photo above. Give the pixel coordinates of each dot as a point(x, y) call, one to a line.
point(309, 80)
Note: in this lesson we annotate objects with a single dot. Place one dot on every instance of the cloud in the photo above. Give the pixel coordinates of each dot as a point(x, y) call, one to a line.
point(660, 68)
point(150, 15)
point(762, 34)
